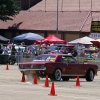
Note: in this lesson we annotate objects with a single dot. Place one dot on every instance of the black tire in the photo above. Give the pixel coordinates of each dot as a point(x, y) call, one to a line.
point(57, 75)
point(65, 78)
point(12, 61)
point(90, 76)
point(9, 61)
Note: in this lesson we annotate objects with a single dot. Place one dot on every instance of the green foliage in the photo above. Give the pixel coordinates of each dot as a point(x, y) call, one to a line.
point(8, 9)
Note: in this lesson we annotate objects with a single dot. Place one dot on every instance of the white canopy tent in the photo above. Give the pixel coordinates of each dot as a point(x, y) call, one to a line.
point(3, 38)
point(83, 40)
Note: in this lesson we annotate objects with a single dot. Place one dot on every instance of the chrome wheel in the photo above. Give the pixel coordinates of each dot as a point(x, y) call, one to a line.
point(58, 75)
point(91, 75)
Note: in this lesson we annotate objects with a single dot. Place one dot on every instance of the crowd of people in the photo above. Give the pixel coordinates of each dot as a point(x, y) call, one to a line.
point(22, 51)
point(89, 51)
point(31, 51)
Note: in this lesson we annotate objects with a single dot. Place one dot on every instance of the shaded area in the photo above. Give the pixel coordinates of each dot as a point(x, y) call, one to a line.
point(15, 26)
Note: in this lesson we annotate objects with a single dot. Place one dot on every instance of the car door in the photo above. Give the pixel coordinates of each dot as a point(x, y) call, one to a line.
point(72, 67)
point(81, 69)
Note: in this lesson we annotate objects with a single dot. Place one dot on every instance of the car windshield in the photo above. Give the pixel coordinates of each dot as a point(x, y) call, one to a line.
point(45, 58)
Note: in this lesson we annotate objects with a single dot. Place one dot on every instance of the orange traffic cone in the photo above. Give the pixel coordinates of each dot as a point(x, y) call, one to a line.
point(23, 77)
point(7, 68)
point(52, 92)
point(35, 79)
point(77, 81)
point(46, 82)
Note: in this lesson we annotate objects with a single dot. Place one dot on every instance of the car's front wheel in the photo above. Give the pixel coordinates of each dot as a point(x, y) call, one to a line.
point(90, 75)
point(57, 75)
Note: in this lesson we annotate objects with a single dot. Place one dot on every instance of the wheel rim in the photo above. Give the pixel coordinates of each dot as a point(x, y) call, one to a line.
point(58, 74)
point(91, 75)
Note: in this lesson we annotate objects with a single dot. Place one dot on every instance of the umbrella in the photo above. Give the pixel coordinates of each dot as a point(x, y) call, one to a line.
point(52, 39)
point(83, 40)
point(3, 38)
point(96, 42)
point(28, 36)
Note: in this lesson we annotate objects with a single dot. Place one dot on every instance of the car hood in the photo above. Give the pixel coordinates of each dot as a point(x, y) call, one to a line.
point(33, 62)
point(35, 65)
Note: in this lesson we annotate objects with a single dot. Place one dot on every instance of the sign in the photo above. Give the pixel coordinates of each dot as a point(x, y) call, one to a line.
point(95, 35)
point(95, 27)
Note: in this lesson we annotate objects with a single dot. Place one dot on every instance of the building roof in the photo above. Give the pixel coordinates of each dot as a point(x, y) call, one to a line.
point(36, 18)
point(68, 21)
point(67, 5)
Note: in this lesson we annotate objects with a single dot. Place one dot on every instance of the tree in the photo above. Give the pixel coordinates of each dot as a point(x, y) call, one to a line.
point(8, 9)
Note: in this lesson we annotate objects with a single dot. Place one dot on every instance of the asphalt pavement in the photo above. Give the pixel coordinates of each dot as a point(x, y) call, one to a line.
point(11, 87)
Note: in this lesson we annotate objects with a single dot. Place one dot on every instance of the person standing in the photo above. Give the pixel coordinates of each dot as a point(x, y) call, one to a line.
point(13, 52)
point(65, 51)
point(6, 51)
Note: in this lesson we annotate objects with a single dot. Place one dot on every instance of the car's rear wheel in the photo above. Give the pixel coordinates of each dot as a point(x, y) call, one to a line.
point(57, 75)
point(90, 75)
point(65, 78)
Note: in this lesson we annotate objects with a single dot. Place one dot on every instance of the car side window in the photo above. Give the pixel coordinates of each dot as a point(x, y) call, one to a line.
point(68, 59)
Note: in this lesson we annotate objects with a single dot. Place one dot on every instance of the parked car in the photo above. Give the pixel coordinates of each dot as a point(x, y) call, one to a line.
point(58, 66)
point(61, 47)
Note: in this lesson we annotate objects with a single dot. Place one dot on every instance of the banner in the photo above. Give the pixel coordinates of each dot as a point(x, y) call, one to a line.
point(95, 35)
point(95, 30)
point(95, 27)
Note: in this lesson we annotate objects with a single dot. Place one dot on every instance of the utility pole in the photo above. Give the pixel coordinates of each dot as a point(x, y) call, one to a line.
point(29, 3)
point(57, 20)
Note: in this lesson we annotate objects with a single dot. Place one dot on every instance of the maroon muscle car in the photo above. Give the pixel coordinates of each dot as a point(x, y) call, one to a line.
point(59, 66)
